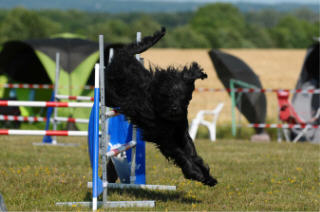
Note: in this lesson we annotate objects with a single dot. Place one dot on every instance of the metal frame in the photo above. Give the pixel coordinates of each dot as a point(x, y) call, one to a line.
point(234, 101)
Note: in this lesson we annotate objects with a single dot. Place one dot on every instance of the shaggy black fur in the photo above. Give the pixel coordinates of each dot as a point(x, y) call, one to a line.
point(156, 101)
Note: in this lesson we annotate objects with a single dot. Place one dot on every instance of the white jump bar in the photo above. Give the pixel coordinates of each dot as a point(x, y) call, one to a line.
point(122, 148)
point(43, 132)
point(112, 204)
point(45, 104)
point(136, 186)
point(80, 98)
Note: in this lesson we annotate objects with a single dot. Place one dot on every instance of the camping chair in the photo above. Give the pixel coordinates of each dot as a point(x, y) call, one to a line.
point(210, 125)
point(287, 114)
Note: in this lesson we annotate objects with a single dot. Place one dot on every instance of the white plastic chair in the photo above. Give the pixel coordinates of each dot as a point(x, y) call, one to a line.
point(210, 125)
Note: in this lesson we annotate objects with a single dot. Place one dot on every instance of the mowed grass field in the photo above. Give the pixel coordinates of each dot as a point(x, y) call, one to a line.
point(252, 176)
point(276, 68)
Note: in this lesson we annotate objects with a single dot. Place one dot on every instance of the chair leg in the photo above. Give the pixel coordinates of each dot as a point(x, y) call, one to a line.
point(212, 131)
point(286, 134)
point(279, 135)
point(300, 135)
point(194, 129)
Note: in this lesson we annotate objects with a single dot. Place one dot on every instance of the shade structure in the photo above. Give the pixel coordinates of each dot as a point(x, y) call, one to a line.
point(33, 61)
point(252, 105)
point(307, 104)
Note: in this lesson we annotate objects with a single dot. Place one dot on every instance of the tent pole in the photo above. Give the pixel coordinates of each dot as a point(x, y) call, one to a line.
point(233, 104)
point(234, 101)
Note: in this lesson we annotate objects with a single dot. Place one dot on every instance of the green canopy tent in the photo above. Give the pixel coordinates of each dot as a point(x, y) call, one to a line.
point(33, 61)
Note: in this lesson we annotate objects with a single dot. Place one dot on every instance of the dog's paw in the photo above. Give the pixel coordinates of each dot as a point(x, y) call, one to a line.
point(210, 181)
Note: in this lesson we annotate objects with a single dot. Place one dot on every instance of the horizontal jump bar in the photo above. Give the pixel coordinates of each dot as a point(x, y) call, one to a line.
point(112, 204)
point(290, 126)
point(4, 103)
point(122, 148)
point(80, 98)
point(43, 132)
point(136, 186)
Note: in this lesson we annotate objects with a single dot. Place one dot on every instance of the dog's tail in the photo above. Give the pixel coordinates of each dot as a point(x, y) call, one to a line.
point(146, 43)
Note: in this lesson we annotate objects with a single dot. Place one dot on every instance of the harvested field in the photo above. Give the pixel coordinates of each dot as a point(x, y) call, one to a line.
point(277, 68)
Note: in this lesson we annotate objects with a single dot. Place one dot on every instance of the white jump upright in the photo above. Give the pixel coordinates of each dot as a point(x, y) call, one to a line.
point(48, 141)
point(55, 119)
point(55, 110)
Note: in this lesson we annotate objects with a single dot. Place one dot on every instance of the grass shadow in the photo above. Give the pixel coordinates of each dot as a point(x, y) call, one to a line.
point(164, 196)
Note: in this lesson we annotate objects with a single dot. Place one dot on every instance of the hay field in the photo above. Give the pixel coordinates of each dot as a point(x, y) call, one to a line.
point(277, 68)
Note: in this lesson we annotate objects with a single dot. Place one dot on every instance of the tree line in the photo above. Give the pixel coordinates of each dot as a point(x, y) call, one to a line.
point(217, 25)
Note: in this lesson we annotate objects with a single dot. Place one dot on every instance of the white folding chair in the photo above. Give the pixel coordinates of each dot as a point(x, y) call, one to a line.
point(210, 125)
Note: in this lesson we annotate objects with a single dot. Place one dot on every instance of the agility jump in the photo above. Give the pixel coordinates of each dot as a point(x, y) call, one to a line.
point(98, 186)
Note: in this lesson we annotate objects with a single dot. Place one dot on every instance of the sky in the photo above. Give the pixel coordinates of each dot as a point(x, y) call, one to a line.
point(253, 1)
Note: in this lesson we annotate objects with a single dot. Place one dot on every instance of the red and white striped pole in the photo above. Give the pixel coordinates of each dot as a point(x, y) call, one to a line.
point(41, 119)
point(239, 90)
point(7, 103)
point(78, 98)
point(258, 90)
point(43, 132)
point(122, 148)
point(41, 86)
point(22, 118)
point(286, 126)
point(44, 119)
point(35, 86)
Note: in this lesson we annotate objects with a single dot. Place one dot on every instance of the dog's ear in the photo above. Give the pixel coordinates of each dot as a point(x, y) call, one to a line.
point(190, 74)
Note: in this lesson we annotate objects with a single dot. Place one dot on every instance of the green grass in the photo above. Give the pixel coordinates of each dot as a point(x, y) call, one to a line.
point(252, 176)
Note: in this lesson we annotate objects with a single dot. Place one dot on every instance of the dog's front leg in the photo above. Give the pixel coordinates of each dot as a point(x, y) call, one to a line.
point(191, 165)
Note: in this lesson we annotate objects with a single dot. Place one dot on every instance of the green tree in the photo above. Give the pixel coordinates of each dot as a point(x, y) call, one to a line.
point(222, 25)
point(21, 24)
point(291, 32)
point(73, 20)
point(306, 14)
point(114, 31)
point(145, 24)
point(265, 18)
point(184, 37)
point(259, 36)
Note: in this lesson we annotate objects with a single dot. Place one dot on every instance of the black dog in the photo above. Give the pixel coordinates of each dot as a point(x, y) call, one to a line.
point(156, 101)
